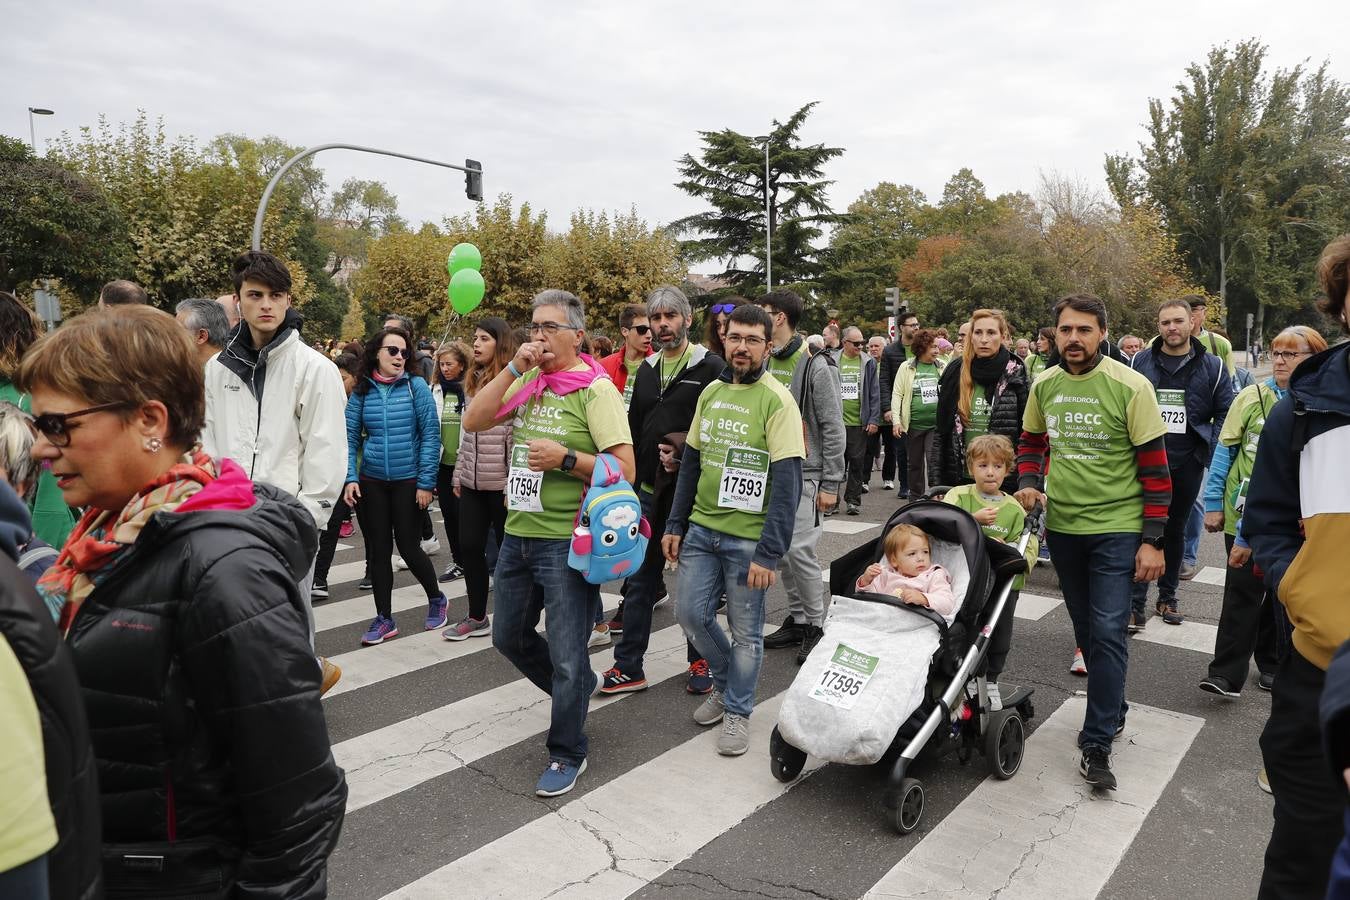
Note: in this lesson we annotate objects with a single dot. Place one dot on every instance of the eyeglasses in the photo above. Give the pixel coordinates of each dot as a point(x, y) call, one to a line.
point(395, 351)
point(722, 308)
point(1289, 354)
point(733, 340)
point(53, 425)
point(641, 329)
point(550, 328)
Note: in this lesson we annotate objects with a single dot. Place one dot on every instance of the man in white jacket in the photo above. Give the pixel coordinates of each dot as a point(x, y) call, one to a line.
point(273, 404)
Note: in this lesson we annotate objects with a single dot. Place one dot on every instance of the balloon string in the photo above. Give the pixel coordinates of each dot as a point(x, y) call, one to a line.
point(449, 323)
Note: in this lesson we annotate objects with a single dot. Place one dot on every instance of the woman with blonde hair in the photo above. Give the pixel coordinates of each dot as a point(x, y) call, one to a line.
point(178, 595)
point(479, 482)
point(982, 391)
point(452, 361)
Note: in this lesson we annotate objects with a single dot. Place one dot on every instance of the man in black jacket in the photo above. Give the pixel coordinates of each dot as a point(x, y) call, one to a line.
point(891, 358)
point(74, 865)
point(664, 395)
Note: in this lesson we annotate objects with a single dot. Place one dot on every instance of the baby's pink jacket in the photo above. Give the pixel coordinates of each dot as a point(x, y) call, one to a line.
point(934, 583)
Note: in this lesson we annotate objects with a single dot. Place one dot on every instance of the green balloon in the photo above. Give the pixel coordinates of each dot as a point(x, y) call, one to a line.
point(464, 256)
point(466, 290)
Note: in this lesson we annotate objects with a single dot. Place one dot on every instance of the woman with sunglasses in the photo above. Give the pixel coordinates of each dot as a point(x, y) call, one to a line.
point(394, 430)
point(718, 316)
point(177, 594)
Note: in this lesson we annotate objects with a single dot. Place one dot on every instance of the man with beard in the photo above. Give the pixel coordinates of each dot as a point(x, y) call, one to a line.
point(731, 520)
point(666, 389)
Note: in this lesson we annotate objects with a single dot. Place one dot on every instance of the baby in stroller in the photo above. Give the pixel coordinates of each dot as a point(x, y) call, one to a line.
point(906, 571)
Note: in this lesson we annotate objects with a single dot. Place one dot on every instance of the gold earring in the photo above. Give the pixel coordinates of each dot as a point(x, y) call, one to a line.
point(154, 445)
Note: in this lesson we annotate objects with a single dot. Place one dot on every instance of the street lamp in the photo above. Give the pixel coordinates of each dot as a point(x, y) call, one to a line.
point(32, 132)
point(768, 220)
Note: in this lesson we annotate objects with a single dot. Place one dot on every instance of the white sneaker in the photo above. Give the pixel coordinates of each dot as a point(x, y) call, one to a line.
point(1078, 667)
point(431, 546)
point(399, 564)
point(991, 691)
point(889, 485)
point(600, 637)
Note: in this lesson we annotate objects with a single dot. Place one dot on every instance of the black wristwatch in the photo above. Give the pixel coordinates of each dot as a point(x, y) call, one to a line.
point(1155, 542)
point(569, 461)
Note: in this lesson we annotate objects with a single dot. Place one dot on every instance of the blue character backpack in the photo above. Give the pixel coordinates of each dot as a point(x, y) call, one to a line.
point(610, 537)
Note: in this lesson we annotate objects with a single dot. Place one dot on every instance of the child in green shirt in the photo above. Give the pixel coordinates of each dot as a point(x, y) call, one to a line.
point(988, 459)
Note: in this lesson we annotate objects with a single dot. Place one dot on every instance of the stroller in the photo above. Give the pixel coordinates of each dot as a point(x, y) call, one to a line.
point(954, 713)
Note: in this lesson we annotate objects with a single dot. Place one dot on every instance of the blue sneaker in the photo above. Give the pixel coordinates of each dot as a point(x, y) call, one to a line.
point(559, 778)
point(700, 679)
point(436, 612)
point(381, 629)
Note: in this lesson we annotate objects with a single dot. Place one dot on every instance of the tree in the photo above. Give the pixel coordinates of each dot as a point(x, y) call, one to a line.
point(964, 208)
point(1250, 174)
point(729, 176)
point(881, 229)
point(56, 225)
point(359, 212)
point(512, 241)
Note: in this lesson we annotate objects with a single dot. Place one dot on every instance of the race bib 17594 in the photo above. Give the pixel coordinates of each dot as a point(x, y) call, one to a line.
point(523, 486)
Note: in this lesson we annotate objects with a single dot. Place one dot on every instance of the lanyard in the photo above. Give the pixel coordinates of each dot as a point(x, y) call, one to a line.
point(679, 364)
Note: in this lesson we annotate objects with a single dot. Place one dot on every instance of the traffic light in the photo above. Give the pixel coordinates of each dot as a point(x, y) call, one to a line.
point(893, 300)
point(473, 179)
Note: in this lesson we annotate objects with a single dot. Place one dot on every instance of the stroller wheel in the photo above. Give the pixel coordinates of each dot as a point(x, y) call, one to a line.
point(907, 813)
point(785, 760)
point(1005, 743)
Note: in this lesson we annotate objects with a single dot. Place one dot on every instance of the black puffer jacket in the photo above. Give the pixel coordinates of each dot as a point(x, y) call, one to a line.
point(202, 691)
point(73, 868)
point(892, 355)
point(947, 456)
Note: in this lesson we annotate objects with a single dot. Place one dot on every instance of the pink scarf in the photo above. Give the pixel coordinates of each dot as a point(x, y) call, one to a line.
point(560, 383)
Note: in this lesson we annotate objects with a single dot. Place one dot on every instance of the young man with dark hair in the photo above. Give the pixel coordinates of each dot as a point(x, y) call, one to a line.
point(121, 293)
point(731, 520)
point(1297, 520)
point(622, 365)
point(274, 404)
point(813, 382)
point(1107, 509)
point(1194, 393)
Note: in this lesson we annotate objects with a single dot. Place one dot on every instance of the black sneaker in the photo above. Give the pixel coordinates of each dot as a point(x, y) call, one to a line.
point(1137, 621)
point(853, 510)
point(451, 573)
point(1095, 767)
point(1217, 684)
point(1266, 681)
point(790, 635)
point(811, 635)
point(319, 591)
point(366, 584)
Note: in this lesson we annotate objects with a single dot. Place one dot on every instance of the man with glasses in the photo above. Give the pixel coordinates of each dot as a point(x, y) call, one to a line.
point(895, 465)
point(1220, 346)
point(274, 404)
point(731, 520)
point(814, 384)
point(623, 364)
point(565, 412)
point(861, 394)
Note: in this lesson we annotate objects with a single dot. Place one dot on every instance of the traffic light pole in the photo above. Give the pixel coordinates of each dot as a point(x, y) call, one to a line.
point(473, 179)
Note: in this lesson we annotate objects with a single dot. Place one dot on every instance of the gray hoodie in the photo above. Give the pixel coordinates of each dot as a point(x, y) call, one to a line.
point(817, 377)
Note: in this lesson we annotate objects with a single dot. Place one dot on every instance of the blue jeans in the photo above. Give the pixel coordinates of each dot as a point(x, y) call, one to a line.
point(711, 562)
point(1195, 525)
point(1096, 574)
point(640, 597)
point(533, 575)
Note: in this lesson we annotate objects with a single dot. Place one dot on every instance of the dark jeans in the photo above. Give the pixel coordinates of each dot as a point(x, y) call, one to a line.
point(1096, 573)
point(391, 508)
point(1186, 480)
point(1000, 642)
point(1309, 797)
point(881, 444)
point(28, 880)
point(533, 574)
point(855, 452)
point(449, 504)
point(1246, 623)
point(480, 513)
point(901, 454)
point(329, 539)
point(638, 600)
point(917, 443)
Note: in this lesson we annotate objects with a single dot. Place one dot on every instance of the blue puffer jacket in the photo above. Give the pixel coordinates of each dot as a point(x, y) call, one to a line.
point(401, 431)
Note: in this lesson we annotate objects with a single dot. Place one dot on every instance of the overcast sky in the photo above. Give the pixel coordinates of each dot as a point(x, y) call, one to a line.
point(589, 104)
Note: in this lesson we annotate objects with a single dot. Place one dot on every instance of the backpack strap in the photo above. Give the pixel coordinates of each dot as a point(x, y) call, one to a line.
point(37, 554)
point(607, 470)
point(1299, 432)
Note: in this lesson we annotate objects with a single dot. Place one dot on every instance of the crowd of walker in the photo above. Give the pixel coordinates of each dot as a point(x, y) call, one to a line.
point(172, 493)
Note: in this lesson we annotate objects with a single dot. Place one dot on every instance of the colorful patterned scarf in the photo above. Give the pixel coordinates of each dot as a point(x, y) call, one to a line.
point(102, 536)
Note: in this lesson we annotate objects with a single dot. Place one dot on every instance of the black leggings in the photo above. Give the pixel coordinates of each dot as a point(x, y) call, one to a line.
point(449, 503)
point(328, 540)
point(391, 508)
point(479, 512)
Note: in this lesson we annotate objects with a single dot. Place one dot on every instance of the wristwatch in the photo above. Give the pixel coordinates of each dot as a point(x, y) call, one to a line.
point(569, 461)
point(1155, 542)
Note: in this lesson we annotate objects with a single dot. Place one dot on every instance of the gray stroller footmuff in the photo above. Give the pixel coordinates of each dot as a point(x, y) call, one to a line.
point(860, 683)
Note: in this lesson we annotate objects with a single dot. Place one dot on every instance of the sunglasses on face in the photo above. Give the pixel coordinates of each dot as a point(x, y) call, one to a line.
point(53, 426)
point(641, 329)
point(723, 308)
point(395, 351)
